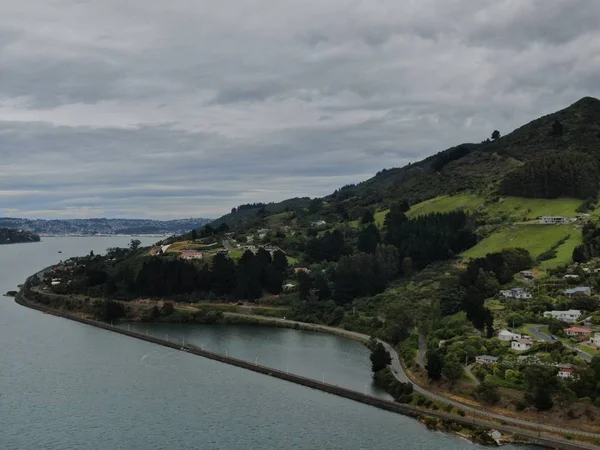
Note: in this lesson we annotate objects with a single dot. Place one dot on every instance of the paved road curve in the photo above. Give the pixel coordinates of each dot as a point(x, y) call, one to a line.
point(400, 375)
point(536, 330)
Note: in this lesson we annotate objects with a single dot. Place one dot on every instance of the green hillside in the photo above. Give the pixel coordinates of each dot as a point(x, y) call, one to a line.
point(537, 239)
point(446, 203)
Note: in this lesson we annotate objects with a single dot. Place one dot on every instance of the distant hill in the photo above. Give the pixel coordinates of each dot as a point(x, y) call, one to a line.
point(104, 226)
point(11, 236)
point(555, 141)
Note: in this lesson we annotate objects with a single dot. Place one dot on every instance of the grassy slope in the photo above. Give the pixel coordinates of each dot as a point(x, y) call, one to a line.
point(535, 238)
point(446, 203)
point(519, 208)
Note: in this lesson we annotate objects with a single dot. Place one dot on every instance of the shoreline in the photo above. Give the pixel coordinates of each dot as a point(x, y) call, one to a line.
point(407, 410)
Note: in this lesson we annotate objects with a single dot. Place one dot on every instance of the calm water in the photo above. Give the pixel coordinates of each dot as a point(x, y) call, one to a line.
point(65, 385)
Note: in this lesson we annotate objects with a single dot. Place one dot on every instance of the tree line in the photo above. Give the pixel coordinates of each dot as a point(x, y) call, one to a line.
point(570, 174)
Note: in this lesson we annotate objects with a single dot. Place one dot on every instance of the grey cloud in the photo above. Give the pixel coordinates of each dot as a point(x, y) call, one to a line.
point(147, 109)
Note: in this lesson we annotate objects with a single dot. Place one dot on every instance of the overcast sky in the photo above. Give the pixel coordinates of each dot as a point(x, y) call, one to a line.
point(180, 108)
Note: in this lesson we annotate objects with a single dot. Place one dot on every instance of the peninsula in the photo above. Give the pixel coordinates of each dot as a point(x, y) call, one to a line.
point(13, 236)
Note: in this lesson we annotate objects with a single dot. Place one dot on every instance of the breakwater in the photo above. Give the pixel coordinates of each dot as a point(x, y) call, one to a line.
point(534, 437)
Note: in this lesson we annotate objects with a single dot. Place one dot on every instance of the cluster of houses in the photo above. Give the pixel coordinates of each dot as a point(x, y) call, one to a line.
point(516, 293)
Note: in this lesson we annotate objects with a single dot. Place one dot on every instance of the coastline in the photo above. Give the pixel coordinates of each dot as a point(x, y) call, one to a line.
point(436, 420)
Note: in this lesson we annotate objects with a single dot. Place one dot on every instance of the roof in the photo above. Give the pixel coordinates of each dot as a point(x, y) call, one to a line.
point(507, 332)
point(578, 330)
point(524, 341)
point(578, 289)
point(488, 357)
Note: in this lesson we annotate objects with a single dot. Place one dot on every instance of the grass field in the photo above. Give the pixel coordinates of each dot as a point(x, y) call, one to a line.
point(379, 219)
point(534, 238)
point(516, 209)
point(446, 203)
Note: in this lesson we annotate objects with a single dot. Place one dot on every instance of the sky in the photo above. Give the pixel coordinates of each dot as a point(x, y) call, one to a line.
point(187, 108)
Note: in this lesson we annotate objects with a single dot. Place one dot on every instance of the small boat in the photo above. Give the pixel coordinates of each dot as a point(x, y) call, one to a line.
point(60, 251)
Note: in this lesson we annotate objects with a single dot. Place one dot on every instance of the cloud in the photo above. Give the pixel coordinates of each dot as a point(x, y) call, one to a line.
point(166, 109)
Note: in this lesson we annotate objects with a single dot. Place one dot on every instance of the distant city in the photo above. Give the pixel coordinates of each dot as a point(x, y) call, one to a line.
point(102, 226)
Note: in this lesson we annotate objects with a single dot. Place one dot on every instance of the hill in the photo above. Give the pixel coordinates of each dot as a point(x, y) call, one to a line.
point(11, 236)
point(478, 168)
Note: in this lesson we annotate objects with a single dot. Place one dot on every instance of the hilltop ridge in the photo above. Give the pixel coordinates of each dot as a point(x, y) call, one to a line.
point(478, 167)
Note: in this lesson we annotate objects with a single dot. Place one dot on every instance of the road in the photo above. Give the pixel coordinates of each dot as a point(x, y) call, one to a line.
point(471, 376)
point(228, 246)
point(536, 330)
point(422, 351)
point(401, 375)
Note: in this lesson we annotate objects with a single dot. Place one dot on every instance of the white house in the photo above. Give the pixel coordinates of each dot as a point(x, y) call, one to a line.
point(319, 223)
point(526, 274)
point(570, 316)
point(548, 220)
point(191, 254)
point(486, 359)
point(516, 293)
point(507, 336)
point(565, 371)
point(579, 290)
point(521, 345)
point(571, 276)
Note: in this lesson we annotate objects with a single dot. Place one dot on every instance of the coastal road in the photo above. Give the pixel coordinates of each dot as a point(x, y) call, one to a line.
point(536, 330)
point(401, 375)
point(422, 351)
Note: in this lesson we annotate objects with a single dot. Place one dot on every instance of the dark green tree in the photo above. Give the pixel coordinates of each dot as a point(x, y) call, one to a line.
point(135, 244)
point(367, 217)
point(435, 365)
point(368, 239)
point(380, 358)
point(495, 135)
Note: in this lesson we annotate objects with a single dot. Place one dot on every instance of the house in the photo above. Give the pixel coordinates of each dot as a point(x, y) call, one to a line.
point(579, 290)
point(526, 274)
point(516, 293)
point(583, 216)
point(576, 331)
point(571, 276)
point(190, 254)
point(319, 223)
point(288, 287)
point(548, 220)
point(301, 269)
point(507, 336)
point(521, 345)
point(565, 371)
point(569, 316)
point(595, 340)
point(486, 359)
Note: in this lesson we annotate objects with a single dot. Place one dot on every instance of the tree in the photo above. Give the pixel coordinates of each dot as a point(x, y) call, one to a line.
point(388, 260)
point(407, 267)
point(194, 234)
point(380, 358)
point(304, 284)
point(367, 217)
point(167, 309)
point(315, 205)
point(280, 261)
point(135, 244)
point(495, 135)
point(368, 238)
point(542, 383)
point(435, 365)
point(452, 370)
point(322, 288)
point(488, 393)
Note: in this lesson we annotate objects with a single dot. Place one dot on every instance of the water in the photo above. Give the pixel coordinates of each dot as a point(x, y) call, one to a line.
point(65, 385)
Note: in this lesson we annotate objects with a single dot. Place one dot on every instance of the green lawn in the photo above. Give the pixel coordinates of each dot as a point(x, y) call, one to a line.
point(446, 203)
point(535, 238)
point(590, 350)
point(379, 219)
point(520, 209)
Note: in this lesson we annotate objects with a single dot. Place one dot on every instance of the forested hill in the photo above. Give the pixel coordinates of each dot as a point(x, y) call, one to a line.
point(10, 236)
point(540, 159)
